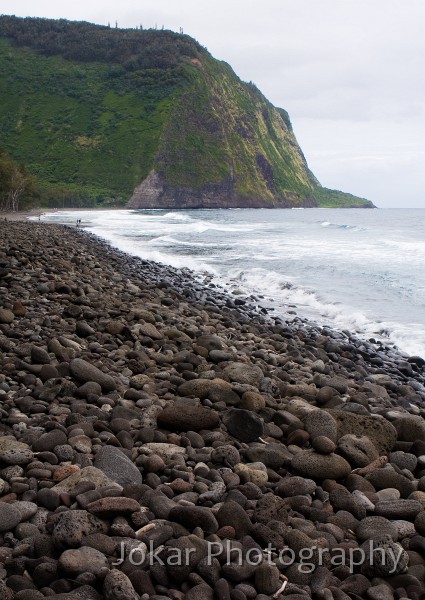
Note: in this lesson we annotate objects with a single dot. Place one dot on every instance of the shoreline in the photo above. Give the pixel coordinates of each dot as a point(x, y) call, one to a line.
point(373, 327)
point(139, 405)
point(255, 310)
point(378, 344)
point(23, 215)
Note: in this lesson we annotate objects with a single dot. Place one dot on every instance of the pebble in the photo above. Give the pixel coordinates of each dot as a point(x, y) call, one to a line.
point(267, 579)
point(380, 592)
point(387, 477)
point(215, 389)
point(405, 528)
point(201, 591)
point(231, 513)
point(388, 494)
point(252, 401)
point(398, 509)
point(420, 522)
point(164, 449)
point(48, 441)
point(404, 460)
point(144, 405)
point(410, 428)
point(363, 500)
point(378, 430)
point(226, 454)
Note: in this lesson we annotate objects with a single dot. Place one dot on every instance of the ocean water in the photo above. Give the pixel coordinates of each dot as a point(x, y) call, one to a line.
point(361, 270)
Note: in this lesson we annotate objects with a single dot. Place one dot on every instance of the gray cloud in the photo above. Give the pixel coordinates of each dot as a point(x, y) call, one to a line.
point(350, 73)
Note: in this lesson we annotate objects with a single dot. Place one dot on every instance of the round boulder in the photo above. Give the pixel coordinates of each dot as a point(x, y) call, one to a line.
point(84, 371)
point(357, 449)
point(82, 560)
point(226, 454)
point(320, 423)
point(323, 444)
point(370, 528)
point(253, 401)
point(243, 373)
point(117, 586)
point(320, 466)
point(216, 390)
point(9, 517)
point(13, 452)
point(380, 431)
point(6, 316)
point(194, 516)
point(295, 486)
point(254, 472)
point(188, 418)
point(244, 425)
point(383, 557)
point(117, 466)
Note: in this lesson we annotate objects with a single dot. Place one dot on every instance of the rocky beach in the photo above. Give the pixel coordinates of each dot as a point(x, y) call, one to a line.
point(161, 439)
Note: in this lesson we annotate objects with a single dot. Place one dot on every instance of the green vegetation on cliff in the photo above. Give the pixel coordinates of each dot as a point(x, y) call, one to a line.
point(95, 111)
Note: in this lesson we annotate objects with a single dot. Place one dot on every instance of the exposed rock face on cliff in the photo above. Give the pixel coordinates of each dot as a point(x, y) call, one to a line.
point(154, 192)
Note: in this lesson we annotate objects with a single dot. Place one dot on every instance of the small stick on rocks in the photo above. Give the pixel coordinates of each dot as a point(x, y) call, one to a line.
point(144, 529)
point(375, 464)
point(282, 587)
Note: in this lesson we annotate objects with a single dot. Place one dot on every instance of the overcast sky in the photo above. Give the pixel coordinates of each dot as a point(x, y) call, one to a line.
point(351, 74)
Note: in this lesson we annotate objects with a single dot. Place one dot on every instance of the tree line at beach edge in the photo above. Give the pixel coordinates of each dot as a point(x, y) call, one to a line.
point(17, 187)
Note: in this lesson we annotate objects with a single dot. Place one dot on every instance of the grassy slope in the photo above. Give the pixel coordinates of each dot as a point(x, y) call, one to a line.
point(76, 126)
point(327, 198)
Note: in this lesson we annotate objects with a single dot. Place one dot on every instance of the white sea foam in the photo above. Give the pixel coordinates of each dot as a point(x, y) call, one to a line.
point(178, 216)
point(168, 240)
point(309, 304)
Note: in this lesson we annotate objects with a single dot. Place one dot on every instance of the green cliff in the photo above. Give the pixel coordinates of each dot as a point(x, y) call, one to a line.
point(102, 115)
